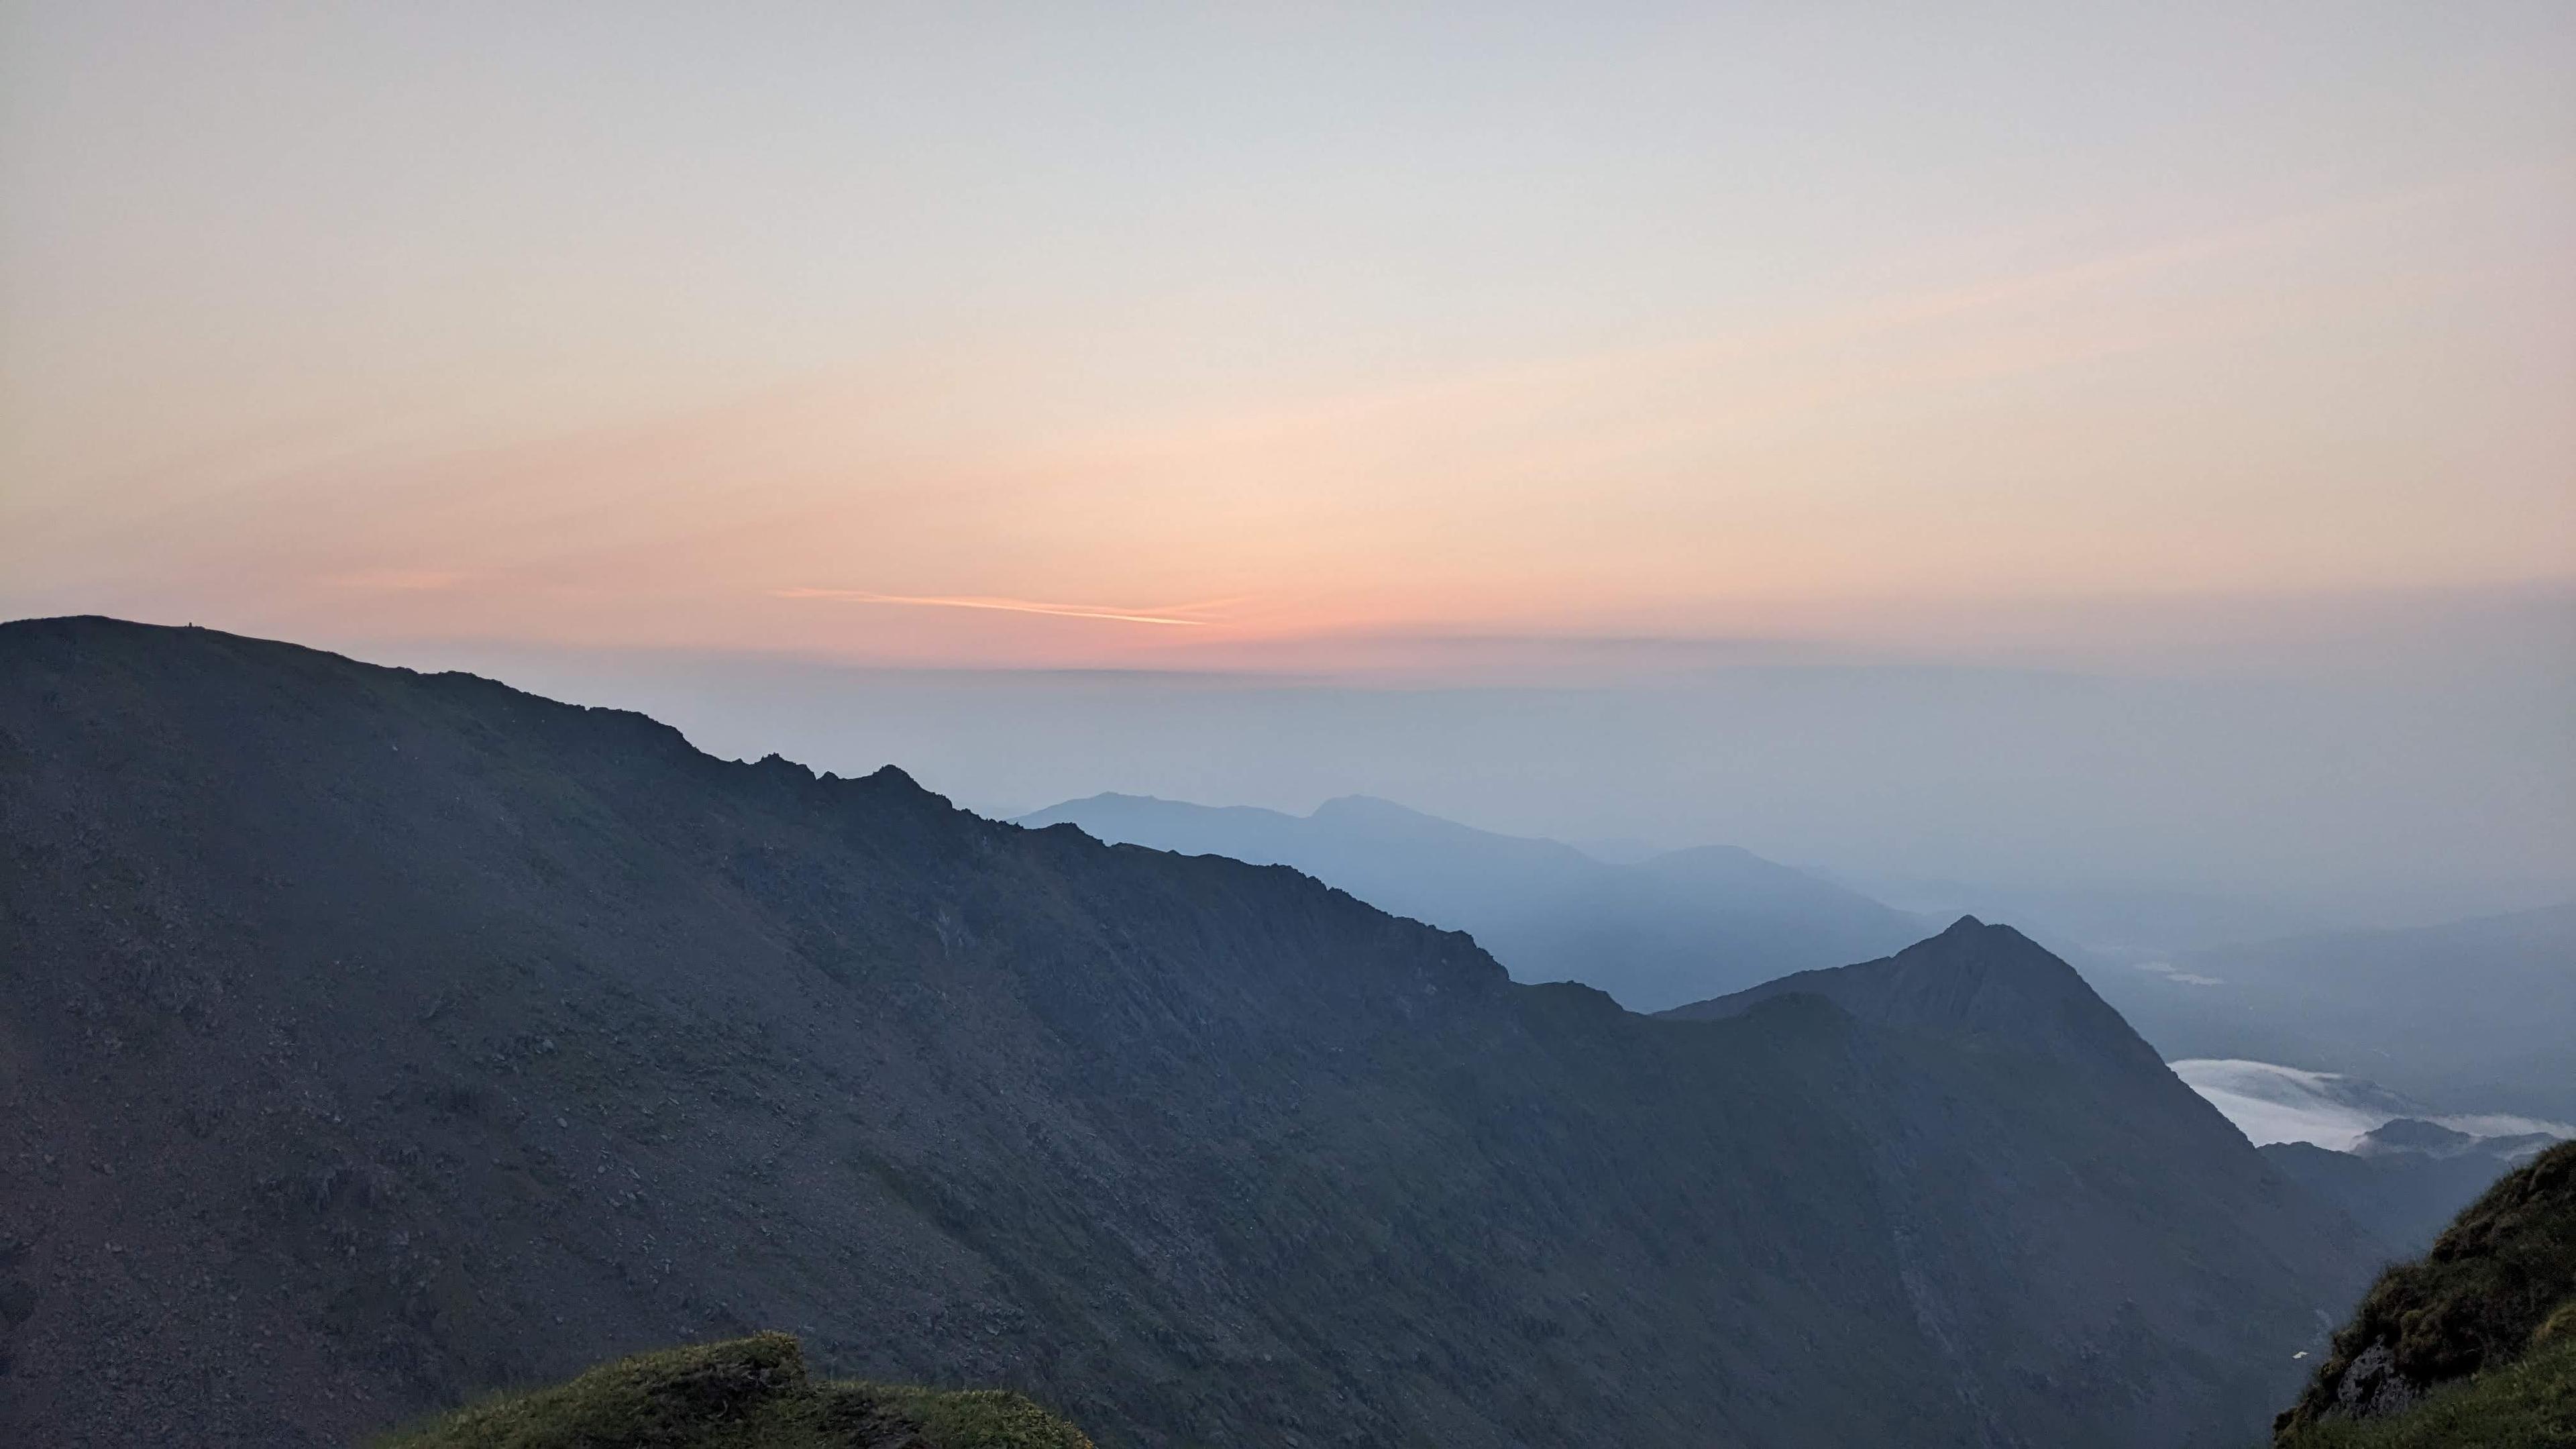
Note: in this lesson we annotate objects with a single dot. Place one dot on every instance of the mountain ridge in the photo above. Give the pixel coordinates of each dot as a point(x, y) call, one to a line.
point(1985, 984)
point(369, 1039)
point(1673, 928)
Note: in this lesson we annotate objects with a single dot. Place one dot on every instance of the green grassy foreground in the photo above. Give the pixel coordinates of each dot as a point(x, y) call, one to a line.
point(750, 1393)
point(2483, 1329)
point(2530, 1404)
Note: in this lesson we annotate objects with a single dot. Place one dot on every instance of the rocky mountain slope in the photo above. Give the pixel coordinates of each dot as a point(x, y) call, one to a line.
point(1977, 984)
point(1676, 927)
point(370, 1040)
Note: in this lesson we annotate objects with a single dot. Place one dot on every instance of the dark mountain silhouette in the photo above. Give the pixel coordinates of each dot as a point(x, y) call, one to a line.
point(2402, 1182)
point(1672, 928)
point(369, 1040)
point(1977, 984)
point(2472, 1016)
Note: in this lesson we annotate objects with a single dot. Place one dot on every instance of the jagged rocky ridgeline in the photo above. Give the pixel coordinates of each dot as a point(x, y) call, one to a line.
point(1679, 927)
point(371, 1040)
point(2474, 1345)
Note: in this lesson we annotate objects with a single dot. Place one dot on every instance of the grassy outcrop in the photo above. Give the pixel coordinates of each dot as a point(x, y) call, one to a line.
point(2473, 1345)
point(749, 1393)
point(2528, 1404)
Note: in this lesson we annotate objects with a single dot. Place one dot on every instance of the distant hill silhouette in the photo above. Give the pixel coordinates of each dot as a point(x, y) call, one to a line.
point(1675, 927)
point(369, 1040)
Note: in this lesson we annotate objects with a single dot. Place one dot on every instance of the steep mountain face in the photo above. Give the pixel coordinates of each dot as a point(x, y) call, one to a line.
point(2473, 1016)
point(1978, 984)
point(368, 1040)
point(1994, 992)
point(1673, 928)
point(2401, 1181)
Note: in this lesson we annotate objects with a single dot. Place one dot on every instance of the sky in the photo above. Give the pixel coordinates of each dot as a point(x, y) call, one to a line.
point(1627, 381)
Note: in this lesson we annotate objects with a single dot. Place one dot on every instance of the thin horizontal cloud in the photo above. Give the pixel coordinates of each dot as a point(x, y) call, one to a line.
point(1170, 616)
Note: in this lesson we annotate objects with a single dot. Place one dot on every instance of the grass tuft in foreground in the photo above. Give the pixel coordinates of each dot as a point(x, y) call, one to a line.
point(2529, 1404)
point(2474, 1346)
point(750, 1393)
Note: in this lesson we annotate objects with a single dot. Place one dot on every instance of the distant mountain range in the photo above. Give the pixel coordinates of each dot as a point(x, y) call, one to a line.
point(2472, 1016)
point(370, 1040)
point(1674, 927)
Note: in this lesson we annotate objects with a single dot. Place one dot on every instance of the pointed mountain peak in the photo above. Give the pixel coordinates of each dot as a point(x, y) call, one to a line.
point(889, 786)
point(1976, 982)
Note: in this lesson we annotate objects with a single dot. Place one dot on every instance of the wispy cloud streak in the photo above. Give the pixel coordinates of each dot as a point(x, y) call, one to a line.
point(1170, 616)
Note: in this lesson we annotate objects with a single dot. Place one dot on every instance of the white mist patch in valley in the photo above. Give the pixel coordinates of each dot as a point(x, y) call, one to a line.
point(2272, 1103)
point(2171, 972)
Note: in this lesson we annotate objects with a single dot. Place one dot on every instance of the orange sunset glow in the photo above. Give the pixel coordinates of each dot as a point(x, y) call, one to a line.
point(2075, 388)
point(2195, 345)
